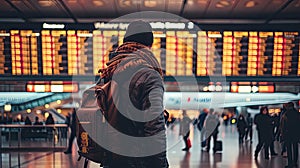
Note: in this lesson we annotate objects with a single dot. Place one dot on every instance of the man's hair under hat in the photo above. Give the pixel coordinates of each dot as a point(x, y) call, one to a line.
point(140, 32)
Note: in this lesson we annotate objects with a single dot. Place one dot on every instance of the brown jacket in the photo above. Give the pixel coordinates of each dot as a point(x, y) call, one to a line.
point(136, 114)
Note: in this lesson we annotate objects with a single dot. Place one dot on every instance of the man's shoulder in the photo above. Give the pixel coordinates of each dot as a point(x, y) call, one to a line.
point(145, 71)
point(145, 74)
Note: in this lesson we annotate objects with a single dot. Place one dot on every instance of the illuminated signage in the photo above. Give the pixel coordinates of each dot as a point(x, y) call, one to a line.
point(53, 26)
point(155, 25)
point(52, 87)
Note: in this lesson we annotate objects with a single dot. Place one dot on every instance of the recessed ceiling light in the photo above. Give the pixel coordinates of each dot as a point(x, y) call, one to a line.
point(218, 5)
point(224, 2)
point(72, 1)
point(150, 3)
point(124, 3)
point(45, 3)
point(190, 2)
point(250, 4)
point(98, 2)
point(202, 2)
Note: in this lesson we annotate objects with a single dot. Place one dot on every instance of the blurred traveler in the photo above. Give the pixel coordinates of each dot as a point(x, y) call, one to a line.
point(37, 122)
point(290, 126)
point(249, 130)
point(241, 127)
point(28, 121)
point(185, 130)
point(265, 132)
point(50, 131)
point(49, 120)
point(68, 119)
point(73, 132)
point(283, 145)
point(211, 128)
point(200, 123)
point(276, 124)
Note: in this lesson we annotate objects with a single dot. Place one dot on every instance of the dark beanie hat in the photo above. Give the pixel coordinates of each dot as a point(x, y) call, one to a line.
point(140, 32)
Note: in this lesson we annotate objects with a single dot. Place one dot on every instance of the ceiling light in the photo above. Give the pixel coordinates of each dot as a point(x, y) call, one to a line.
point(58, 101)
point(124, 3)
point(45, 3)
point(72, 1)
point(250, 4)
point(190, 2)
point(150, 3)
point(38, 111)
point(98, 2)
point(218, 5)
point(224, 2)
point(47, 106)
point(7, 107)
point(202, 2)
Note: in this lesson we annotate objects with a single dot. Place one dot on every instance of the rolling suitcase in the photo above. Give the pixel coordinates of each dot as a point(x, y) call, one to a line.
point(219, 146)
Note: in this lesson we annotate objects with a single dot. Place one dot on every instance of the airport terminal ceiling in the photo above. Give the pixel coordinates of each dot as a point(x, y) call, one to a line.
point(202, 11)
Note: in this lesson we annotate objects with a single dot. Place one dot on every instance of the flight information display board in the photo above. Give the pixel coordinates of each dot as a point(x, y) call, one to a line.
point(209, 49)
point(180, 53)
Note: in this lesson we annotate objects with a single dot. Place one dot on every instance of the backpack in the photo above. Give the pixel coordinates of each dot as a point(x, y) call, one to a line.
point(91, 123)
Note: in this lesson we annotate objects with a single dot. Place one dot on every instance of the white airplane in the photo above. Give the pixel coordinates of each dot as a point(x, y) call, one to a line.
point(199, 100)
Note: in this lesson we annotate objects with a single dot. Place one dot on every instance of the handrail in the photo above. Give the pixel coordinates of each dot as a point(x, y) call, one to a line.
point(19, 148)
point(33, 126)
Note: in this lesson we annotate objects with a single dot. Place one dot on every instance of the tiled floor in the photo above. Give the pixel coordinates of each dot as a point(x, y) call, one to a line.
point(233, 155)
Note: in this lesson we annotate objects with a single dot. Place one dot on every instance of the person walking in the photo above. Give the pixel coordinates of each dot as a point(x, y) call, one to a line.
point(241, 127)
point(264, 129)
point(283, 145)
point(211, 127)
point(136, 102)
point(73, 131)
point(290, 126)
point(249, 130)
point(200, 124)
point(185, 130)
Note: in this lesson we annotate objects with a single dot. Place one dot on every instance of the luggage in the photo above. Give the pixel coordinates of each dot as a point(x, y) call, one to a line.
point(203, 143)
point(91, 124)
point(189, 143)
point(219, 146)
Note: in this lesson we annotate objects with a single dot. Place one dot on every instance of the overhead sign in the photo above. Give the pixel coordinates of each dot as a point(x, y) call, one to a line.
point(155, 25)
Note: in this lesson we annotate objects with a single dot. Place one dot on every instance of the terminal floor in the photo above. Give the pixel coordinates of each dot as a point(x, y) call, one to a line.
point(232, 156)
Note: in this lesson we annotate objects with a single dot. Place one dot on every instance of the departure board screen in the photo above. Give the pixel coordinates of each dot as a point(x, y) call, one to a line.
point(54, 51)
point(24, 52)
point(180, 52)
point(5, 53)
point(233, 60)
point(260, 54)
point(286, 50)
point(209, 49)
